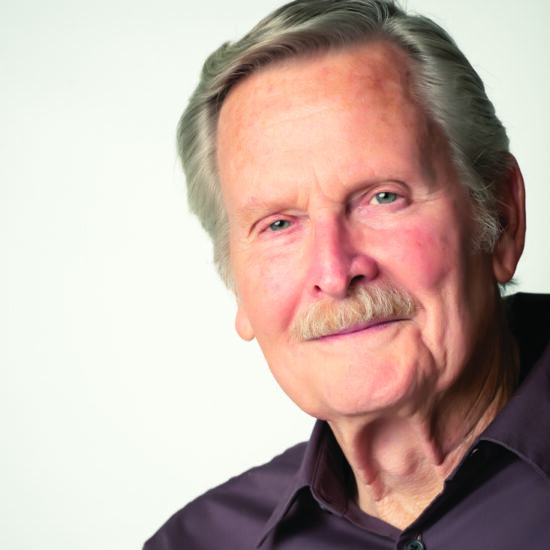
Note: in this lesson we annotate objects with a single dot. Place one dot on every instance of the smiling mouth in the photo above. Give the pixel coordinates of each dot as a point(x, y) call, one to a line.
point(373, 325)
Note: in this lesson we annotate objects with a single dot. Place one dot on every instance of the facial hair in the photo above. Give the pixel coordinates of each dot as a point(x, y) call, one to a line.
point(363, 305)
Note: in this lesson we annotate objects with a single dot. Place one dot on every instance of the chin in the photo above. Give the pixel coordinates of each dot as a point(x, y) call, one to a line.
point(350, 400)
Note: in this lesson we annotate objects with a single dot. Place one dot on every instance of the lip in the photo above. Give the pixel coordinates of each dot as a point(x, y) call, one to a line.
point(374, 325)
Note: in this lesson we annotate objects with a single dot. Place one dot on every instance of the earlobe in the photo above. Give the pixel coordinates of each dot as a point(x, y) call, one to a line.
point(242, 324)
point(509, 246)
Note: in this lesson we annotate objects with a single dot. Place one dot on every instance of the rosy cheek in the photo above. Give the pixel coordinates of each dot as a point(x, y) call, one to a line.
point(422, 258)
point(272, 294)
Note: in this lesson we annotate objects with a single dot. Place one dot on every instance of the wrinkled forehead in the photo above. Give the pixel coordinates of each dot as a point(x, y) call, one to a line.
point(375, 66)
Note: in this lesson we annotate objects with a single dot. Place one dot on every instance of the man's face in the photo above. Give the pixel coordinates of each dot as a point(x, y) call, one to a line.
point(334, 180)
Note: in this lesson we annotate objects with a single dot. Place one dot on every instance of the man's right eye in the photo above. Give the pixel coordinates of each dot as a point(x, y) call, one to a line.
point(279, 225)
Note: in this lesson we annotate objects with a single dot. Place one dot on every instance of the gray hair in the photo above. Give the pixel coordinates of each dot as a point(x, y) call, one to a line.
point(447, 86)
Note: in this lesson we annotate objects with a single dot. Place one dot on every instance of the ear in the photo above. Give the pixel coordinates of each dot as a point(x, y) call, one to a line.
point(511, 205)
point(242, 323)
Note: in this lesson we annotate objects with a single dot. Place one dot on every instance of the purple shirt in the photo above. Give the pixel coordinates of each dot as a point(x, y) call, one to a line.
point(497, 498)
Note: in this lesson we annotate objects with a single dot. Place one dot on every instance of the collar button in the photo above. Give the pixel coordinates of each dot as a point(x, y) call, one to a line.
point(415, 545)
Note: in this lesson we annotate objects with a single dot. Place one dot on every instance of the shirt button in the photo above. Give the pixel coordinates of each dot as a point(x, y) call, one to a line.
point(415, 545)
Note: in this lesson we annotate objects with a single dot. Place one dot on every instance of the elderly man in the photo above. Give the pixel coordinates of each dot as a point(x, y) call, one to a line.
point(364, 208)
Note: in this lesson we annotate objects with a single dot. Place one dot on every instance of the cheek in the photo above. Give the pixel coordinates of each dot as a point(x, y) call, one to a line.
point(270, 294)
point(423, 258)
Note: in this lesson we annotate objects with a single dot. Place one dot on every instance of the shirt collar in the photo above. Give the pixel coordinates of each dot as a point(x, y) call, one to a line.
point(523, 425)
point(323, 472)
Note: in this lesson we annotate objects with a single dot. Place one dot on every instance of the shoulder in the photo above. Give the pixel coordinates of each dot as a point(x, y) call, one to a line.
point(233, 514)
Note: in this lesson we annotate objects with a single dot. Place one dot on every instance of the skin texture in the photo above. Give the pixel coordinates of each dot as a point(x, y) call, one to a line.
point(334, 178)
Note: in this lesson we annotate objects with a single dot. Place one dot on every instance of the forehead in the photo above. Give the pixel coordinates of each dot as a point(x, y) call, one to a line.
point(376, 74)
point(367, 86)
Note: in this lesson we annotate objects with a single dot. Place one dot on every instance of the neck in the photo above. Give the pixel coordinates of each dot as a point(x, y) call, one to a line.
point(400, 460)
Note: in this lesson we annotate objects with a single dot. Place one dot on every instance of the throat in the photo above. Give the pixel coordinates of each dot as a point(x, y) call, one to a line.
point(400, 474)
point(398, 491)
point(399, 467)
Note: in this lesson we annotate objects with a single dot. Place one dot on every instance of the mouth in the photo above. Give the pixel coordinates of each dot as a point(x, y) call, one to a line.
point(371, 326)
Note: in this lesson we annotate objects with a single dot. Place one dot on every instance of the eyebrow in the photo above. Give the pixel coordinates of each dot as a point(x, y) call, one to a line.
point(255, 206)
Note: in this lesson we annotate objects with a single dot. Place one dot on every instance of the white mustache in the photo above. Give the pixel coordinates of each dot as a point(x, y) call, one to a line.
point(365, 304)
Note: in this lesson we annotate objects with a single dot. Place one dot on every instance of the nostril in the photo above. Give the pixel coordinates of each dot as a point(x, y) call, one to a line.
point(356, 281)
point(354, 284)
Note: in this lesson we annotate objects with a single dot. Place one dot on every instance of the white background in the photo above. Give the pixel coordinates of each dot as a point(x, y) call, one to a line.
point(124, 391)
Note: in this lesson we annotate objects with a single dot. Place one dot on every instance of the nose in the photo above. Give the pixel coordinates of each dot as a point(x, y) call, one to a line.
point(338, 261)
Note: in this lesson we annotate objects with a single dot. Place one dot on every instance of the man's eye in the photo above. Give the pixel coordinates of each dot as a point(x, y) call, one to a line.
point(385, 197)
point(279, 225)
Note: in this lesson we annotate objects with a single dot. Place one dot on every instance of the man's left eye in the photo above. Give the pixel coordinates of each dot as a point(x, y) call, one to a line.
point(279, 225)
point(385, 197)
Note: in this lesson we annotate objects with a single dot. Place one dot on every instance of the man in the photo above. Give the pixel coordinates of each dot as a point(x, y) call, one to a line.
point(364, 208)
